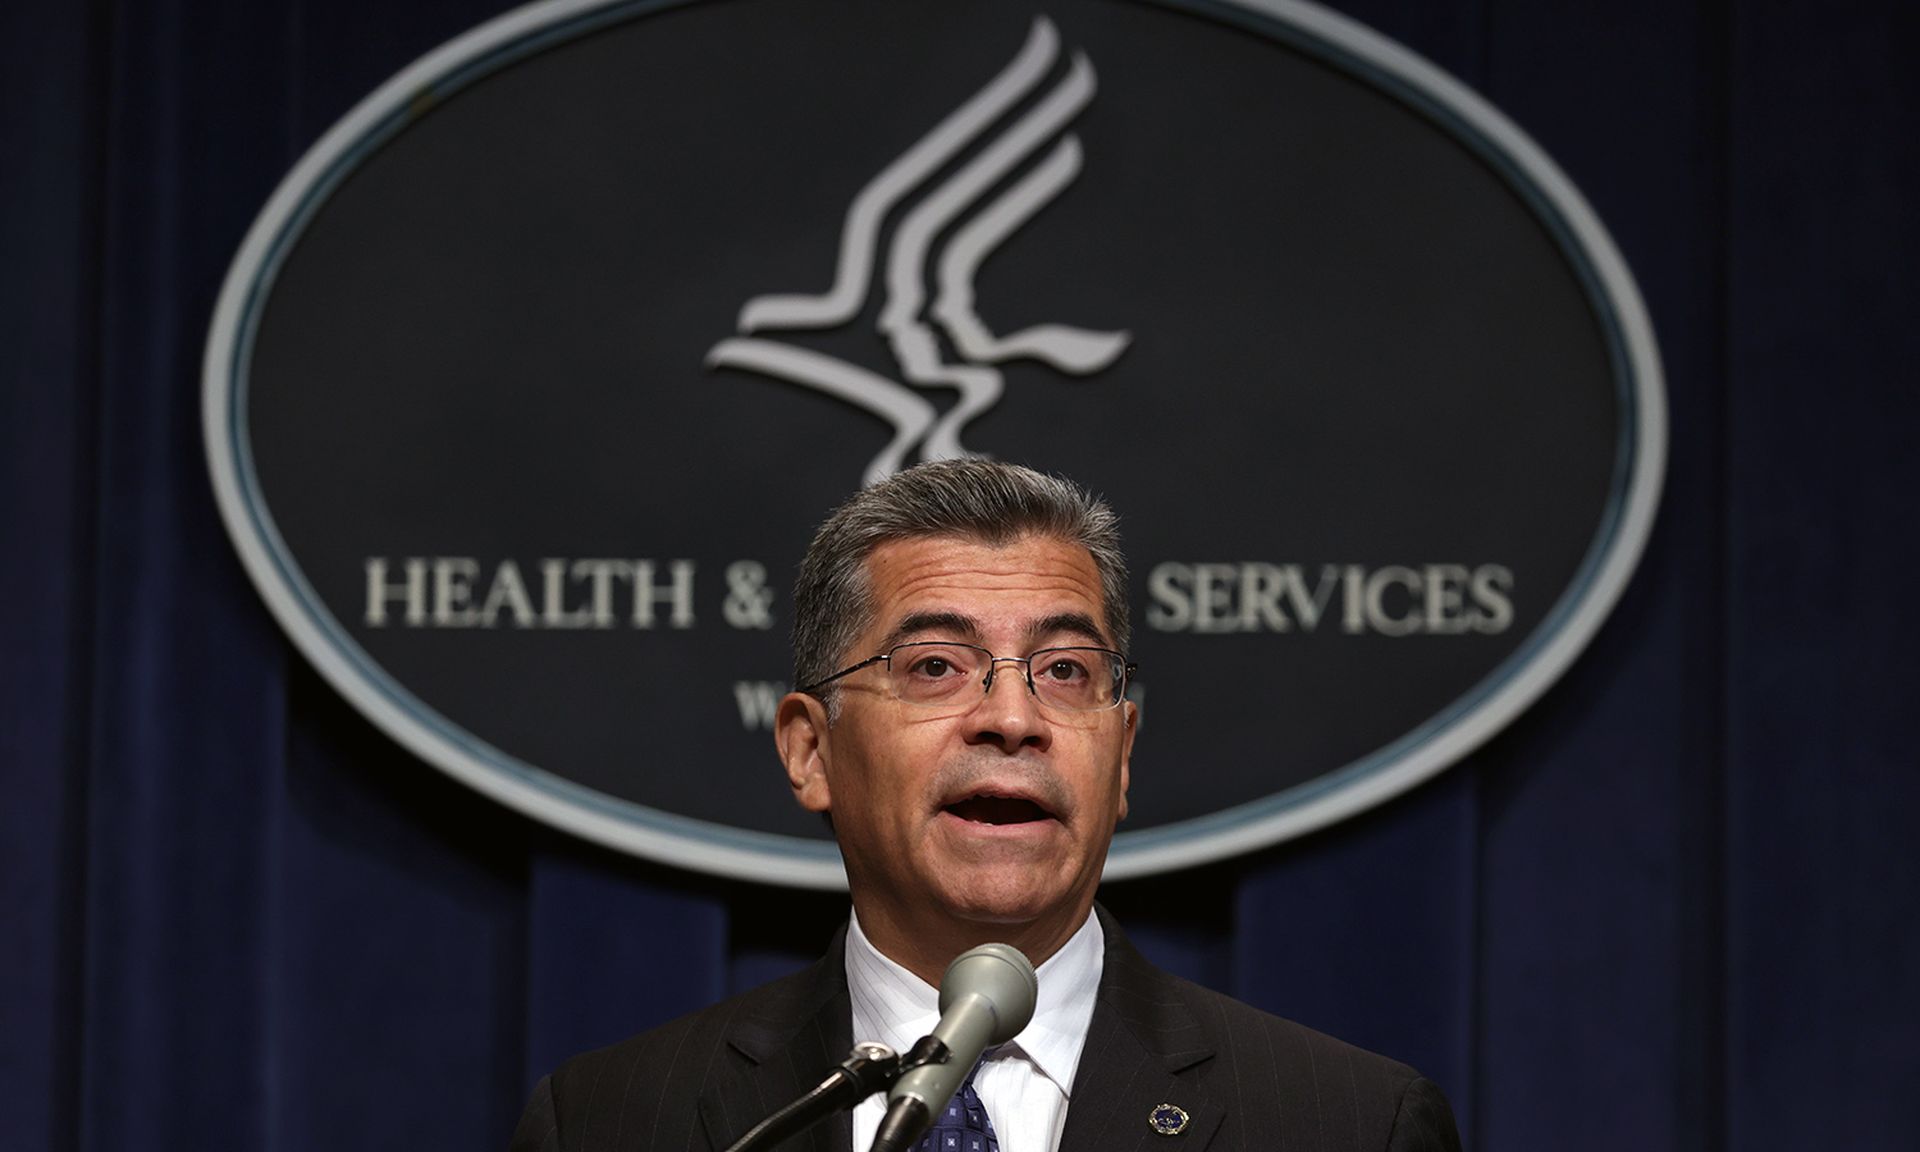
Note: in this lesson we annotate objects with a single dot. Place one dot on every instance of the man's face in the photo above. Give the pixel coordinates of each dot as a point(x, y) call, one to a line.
point(994, 811)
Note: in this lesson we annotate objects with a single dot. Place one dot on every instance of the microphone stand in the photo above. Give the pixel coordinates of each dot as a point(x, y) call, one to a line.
point(868, 1069)
point(907, 1119)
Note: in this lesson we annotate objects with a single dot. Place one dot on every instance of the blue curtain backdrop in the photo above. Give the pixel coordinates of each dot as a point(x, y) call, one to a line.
point(1675, 906)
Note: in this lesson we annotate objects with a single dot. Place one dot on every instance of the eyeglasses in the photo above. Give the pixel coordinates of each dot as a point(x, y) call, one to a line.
point(931, 673)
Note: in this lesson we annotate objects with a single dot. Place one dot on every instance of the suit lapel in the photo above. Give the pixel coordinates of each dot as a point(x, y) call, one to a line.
point(780, 1049)
point(1142, 1047)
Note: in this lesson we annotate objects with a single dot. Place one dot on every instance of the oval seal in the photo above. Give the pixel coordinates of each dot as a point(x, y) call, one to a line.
point(530, 381)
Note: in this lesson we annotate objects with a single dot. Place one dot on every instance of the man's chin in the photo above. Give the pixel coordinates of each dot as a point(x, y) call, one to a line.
point(1014, 895)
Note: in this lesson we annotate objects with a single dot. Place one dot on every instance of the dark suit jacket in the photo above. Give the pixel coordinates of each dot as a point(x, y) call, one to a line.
point(1248, 1080)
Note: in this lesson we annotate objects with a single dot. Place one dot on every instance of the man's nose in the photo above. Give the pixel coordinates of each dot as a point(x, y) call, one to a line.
point(1009, 716)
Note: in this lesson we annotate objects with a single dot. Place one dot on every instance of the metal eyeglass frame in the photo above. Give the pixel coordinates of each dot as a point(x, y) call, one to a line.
point(1127, 669)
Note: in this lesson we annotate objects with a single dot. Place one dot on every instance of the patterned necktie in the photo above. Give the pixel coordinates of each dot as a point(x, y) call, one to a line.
point(963, 1126)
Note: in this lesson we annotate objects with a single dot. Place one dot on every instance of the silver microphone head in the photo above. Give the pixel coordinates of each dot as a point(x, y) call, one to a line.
point(1000, 974)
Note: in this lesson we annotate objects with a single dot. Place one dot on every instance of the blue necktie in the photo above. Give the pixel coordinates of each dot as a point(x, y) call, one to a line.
point(963, 1126)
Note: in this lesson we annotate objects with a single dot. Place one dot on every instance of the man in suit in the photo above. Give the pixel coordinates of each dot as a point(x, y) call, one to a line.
point(959, 639)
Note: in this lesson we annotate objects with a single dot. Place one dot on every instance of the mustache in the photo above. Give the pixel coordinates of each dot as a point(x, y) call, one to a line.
point(960, 779)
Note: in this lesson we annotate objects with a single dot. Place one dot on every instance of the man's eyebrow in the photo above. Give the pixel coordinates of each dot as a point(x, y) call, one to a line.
point(1075, 623)
point(948, 623)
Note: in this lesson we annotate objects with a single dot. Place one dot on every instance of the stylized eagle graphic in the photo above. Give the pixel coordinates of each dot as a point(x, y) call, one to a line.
point(905, 309)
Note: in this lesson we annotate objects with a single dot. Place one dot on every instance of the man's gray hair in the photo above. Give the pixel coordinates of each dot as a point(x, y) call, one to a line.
point(986, 501)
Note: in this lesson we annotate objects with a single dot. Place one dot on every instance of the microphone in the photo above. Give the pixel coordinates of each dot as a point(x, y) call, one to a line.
point(986, 998)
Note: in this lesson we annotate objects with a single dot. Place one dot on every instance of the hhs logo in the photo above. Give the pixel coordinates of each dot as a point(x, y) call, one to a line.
point(970, 204)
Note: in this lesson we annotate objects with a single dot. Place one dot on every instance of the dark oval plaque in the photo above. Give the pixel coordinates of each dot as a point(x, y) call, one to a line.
point(532, 378)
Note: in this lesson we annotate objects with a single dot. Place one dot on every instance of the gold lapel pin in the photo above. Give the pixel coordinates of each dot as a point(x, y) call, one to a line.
point(1168, 1119)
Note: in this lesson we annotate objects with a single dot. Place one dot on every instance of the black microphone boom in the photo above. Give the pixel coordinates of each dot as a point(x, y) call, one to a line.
point(986, 998)
point(867, 1070)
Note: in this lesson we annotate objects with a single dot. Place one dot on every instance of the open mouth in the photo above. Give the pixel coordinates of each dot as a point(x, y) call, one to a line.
point(998, 810)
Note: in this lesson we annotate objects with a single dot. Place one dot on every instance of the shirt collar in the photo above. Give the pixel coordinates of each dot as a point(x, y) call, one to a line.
point(894, 1007)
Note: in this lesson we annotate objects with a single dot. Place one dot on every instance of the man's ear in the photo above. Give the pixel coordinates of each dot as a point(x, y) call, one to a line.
point(1131, 719)
point(800, 732)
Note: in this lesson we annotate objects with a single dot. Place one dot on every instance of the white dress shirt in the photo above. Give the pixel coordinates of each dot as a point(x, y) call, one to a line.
point(1026, 1083)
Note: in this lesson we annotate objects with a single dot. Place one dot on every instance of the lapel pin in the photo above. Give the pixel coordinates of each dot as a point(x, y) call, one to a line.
point(1168, 1119)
